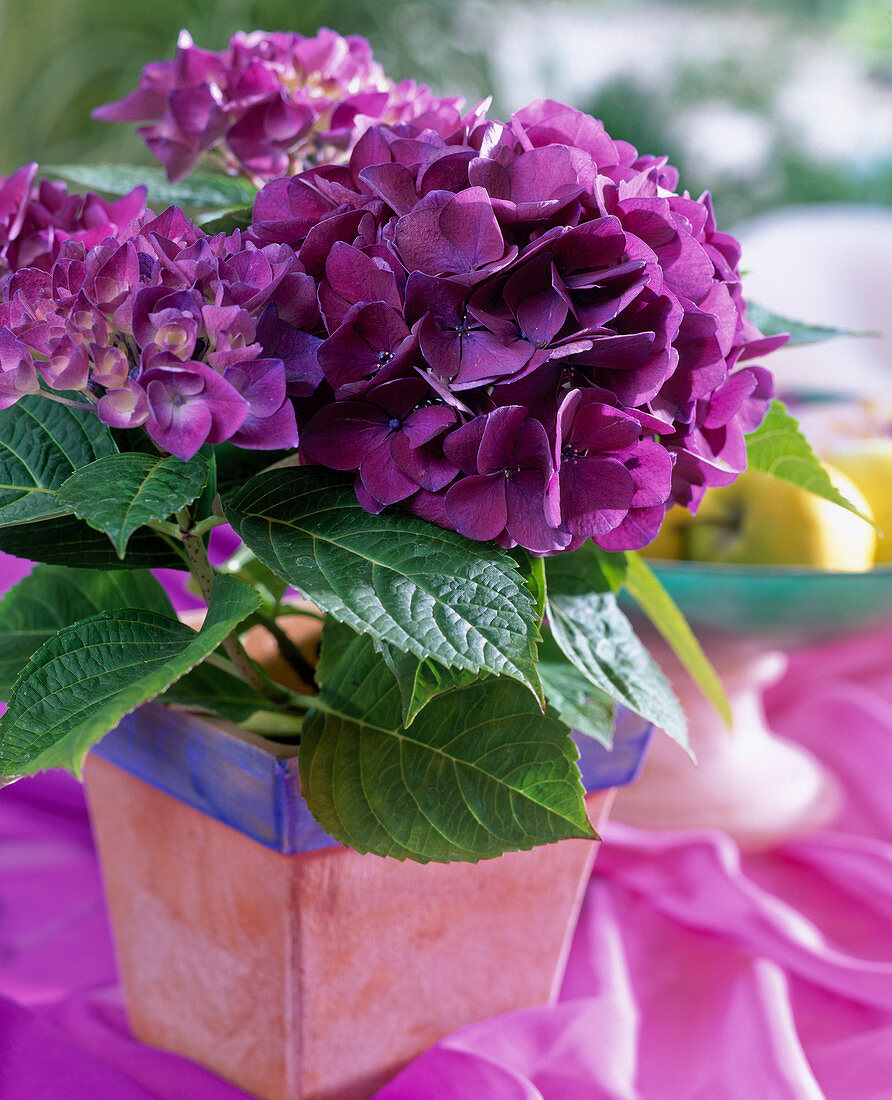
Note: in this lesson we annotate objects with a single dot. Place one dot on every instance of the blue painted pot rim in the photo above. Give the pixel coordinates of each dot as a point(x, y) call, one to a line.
point(253, 784)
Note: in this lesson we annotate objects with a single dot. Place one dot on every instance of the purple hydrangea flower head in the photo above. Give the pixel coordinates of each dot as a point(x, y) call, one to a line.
point(164, 327)
point(524, 332)
point(18, 375)
point(38, 215)
point(270, 104)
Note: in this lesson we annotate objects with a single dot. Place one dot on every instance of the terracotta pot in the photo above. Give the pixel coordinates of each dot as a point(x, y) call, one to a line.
point(251, 942)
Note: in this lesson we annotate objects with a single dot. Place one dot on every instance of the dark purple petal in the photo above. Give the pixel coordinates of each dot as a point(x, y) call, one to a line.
point(450, 234)
point(540, 302)
point(511, 440)
point(341, 435)
point(422, 425)
point(594, 494)
point(273, 432)
point(425, 464)
point(298, 351)
point(476, 506)
point(383, 478)
point(526, 523)
point(261, 382)
point(637, 530)
point(650, 465)
point(371, 337)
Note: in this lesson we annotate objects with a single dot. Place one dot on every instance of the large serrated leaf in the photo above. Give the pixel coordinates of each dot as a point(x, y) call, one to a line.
point(53, 597)
point(646, 590)
point(800, 332)
point(597, 638)
point(481, 771)
point(42, 443)
point(81, 682)
point(579, 703)
point(422, 680)
point(778, 447)
point(422, 589)
point(120, 493)
point(69, 541)
point(201, 190)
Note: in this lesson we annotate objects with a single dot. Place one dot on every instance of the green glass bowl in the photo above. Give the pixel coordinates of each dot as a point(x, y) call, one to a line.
point(787, 604)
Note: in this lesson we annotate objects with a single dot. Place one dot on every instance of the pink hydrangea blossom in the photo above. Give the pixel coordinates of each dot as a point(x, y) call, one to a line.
point(270, 104)
point(163, 327)
point(38, 215)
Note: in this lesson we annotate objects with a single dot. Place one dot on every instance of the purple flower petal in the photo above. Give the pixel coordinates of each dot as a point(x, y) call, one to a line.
point(190, 406)
point(476, 506)
point(450, 234)
point(341, 435)
point(526, 522)
point(595, 494)
point(383, 478)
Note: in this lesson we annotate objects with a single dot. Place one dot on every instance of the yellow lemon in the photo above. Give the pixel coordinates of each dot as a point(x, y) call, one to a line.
point(870, 467)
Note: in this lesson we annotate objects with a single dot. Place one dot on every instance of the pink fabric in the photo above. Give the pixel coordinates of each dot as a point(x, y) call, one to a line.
point(696, 973)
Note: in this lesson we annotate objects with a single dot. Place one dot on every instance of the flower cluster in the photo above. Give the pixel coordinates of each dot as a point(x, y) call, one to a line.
point(272, 103)
point(526, 334)
point(164, 326)
point(36, 216)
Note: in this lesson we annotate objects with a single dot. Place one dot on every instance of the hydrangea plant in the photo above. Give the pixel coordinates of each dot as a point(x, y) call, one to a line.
point(443, 378)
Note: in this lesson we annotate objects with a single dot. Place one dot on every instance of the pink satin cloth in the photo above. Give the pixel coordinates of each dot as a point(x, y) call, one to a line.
point(696, 972)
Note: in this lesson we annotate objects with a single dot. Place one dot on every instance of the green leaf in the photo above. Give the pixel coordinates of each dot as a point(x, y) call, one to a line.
point(419, 680)
point(597, 638)
point(203, 507)
point(588, 569)
point(480, 772)
point(646, 590)
point(69, 541)
point(225, 221)
point(200, 190)
point(771, 324)
point(578, 702)
point(42, 443)
point(82, 682)
point(53, 597)
point(779, 448)
point(336, 638)
point(422, 589)
point(208, 687)
point(235, 465)
point(422, 680)
point(533, 571)
point(123, 492)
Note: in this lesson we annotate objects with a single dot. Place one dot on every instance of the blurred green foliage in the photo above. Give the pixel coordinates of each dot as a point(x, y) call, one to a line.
point(791, 177)
point(60, 58)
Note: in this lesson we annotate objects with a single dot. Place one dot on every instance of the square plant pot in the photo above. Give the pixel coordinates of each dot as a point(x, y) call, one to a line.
point(251, 942)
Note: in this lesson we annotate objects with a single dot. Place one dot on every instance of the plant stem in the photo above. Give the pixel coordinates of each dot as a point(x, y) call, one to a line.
point(164, 528)
point(66, 401)
point(206, 525)
point(290, 652)
point(203, 572)
point(288, 610)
